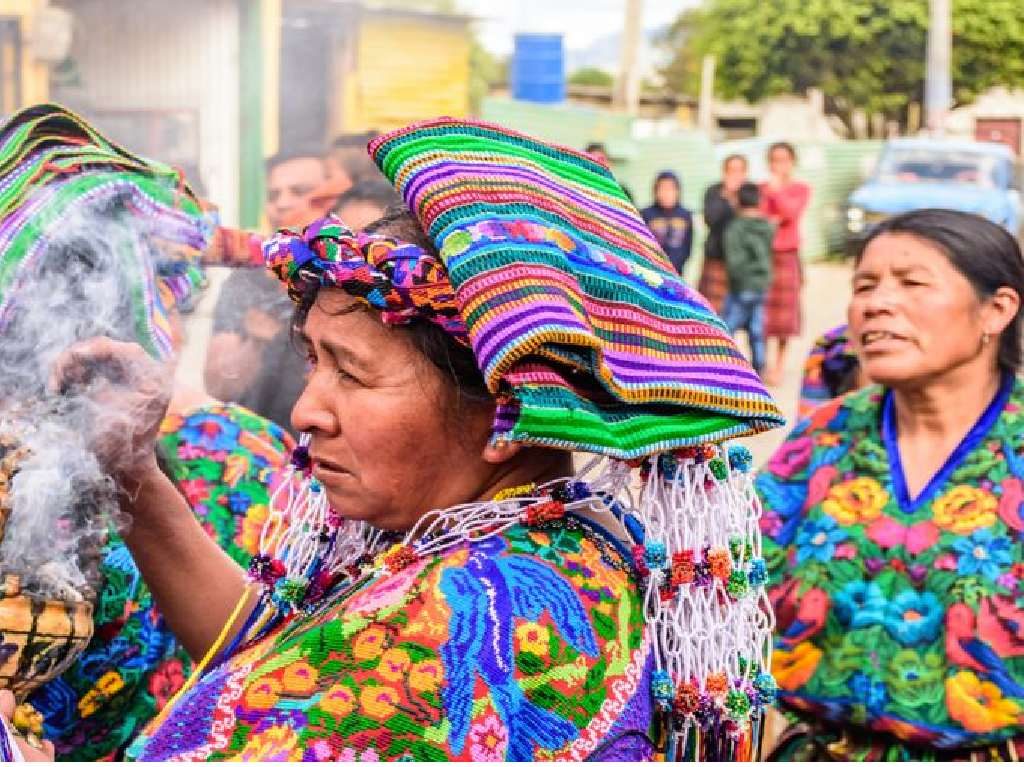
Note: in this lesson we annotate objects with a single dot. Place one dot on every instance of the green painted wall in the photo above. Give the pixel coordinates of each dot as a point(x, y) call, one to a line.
point(833, 169)
point(251, 87)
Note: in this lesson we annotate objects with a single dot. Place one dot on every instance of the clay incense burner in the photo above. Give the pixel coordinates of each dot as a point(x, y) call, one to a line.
point(39, 638)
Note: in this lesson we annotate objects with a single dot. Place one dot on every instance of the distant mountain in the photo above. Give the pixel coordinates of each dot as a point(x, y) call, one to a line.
point(604, 54)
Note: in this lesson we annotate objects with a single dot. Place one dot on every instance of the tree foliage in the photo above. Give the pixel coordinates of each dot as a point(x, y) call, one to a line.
point(485, 73)
point(866, 54)
point(591, 76)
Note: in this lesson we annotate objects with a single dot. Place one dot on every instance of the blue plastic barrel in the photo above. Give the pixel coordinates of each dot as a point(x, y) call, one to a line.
point(538, 69)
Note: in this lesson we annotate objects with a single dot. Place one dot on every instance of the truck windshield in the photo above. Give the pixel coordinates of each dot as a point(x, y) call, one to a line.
point(909, 165)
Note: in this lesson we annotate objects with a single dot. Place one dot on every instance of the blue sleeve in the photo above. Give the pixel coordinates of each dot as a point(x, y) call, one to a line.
point(688, 239)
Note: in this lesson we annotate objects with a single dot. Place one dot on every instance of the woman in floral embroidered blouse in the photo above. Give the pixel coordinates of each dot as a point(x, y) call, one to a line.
point(491, 610)
point(893, 516)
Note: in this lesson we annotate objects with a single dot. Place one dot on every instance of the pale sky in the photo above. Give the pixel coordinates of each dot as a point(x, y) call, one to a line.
point(581, 21)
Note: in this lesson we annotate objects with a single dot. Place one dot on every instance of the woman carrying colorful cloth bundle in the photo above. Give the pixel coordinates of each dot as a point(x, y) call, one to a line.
point(458, 356)
point(73, 203)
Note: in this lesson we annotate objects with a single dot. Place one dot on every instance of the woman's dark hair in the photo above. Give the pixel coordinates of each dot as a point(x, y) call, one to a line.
point(734, 157)
point(784, 145)
point(297, 153)
point(748, 195)
point(376, 191)
point(986, 254)
point(455, 361)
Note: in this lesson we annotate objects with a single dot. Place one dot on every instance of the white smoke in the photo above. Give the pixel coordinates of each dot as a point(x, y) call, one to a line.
point(63, 501)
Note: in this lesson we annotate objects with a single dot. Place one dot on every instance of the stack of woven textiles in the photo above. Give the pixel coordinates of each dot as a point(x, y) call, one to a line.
point(55, 167)
point(77, 211)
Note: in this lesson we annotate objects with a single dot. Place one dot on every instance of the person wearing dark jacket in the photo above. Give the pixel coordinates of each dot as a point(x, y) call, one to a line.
point(747, 243)
point(670, 222)
point(719, 209)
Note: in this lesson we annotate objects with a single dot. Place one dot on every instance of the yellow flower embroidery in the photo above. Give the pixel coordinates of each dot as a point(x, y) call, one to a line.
point(379, 702)
point(106, 687)
point(855, 501)
point(426, 676)
point(338, 701)
point(252, 526)
point(263, 694)
point(369, 643)
point(827, 439)
point(965, 509)
point(979, 706)
point(274, 744)
point(794, 668)
point(533, 638)
point(299, 679)
point(393, 664)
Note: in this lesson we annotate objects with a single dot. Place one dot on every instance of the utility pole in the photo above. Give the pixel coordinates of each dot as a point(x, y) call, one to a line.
point(938, 85)
point(706, 100)
point(627, 89)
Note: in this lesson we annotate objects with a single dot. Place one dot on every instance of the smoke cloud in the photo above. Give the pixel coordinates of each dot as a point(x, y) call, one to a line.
point(93, 277)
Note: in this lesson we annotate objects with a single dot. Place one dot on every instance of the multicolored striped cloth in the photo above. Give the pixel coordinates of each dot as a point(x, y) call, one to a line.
point(399, 279)
point(59, 177)
point(585, 334)
point(830, 370)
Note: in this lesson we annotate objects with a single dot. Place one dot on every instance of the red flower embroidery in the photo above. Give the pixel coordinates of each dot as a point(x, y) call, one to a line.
point(166, 680)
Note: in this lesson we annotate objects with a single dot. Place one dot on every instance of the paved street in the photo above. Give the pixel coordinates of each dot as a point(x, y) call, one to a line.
point(826, 294)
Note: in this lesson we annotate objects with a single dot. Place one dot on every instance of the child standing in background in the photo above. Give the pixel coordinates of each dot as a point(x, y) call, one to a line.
point(748, 262)
point(669, 222)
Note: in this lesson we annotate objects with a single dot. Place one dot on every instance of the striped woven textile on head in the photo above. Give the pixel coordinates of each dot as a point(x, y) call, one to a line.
point(58, 174)
point(581, 327)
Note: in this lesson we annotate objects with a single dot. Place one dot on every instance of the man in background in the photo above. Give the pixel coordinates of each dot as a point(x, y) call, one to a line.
point(274, 386)
point(292, 180)
point(251, 360)
point(250, 321)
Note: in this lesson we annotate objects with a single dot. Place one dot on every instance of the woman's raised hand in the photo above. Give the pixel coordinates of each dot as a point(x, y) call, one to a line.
point(125, 393)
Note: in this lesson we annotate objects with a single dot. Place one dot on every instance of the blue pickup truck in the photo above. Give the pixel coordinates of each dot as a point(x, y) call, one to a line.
point(972, 176)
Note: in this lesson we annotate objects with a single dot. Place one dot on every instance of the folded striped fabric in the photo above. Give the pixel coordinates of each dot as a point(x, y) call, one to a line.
point(63, 186)
point(585, 334)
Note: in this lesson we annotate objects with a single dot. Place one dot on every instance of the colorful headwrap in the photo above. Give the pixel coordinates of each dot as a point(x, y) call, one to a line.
point(54, 165)
point(585, 334)
point(401, 280)
point(830, 370)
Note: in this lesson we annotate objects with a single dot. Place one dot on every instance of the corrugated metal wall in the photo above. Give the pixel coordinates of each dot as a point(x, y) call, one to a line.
point(407, 69)
point(160, 55)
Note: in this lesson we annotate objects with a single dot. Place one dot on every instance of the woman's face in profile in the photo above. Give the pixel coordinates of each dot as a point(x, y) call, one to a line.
point(385, 444)
point(913, 315)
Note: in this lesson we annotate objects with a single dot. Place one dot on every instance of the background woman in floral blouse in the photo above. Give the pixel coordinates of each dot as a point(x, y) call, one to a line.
point(893, 516)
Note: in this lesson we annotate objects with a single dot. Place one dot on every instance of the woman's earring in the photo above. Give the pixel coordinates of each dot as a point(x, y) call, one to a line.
point(984, 339)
